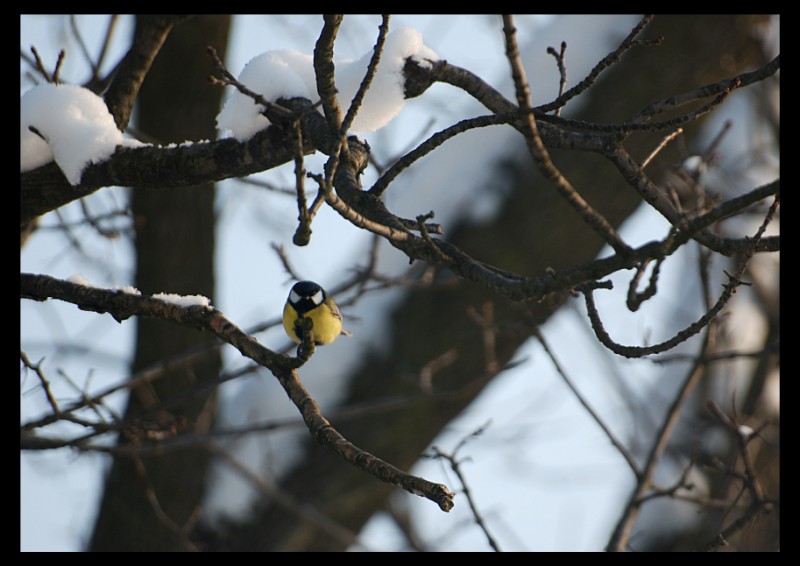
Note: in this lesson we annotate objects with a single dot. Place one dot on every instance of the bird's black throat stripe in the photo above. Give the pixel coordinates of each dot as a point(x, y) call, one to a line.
point(304, 305)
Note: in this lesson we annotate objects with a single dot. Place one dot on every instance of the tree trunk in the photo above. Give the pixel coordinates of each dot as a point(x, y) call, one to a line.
point(149, 498)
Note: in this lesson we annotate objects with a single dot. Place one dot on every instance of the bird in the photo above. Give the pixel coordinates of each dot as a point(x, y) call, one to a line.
point(308, 299)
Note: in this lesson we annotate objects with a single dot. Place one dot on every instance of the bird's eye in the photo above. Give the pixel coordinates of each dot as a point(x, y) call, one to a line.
point(316, 298)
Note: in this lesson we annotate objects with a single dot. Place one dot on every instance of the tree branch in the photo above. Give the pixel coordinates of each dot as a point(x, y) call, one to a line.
point(150, 34)
point(123, 305)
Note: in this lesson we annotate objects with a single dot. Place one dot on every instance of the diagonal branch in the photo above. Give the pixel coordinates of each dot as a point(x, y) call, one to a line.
point(372, 68)
point(149, 36)
point(123, 305)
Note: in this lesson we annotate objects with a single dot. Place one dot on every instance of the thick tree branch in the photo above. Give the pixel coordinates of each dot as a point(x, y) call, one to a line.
point(45, 189)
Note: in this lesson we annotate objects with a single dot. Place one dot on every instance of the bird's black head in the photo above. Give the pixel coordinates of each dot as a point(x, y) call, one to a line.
point(306, 295)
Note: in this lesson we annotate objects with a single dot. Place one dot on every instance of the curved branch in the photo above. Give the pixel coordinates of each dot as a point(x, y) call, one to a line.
point(324, 71)
point(692, 329)
point(432, 143)
point(418, 78)
point(366, 211)
point(621, 534)
point(123, 305)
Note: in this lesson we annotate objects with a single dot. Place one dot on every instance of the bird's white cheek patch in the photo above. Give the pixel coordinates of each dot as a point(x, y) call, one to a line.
point(294, 298)
point(316, 298)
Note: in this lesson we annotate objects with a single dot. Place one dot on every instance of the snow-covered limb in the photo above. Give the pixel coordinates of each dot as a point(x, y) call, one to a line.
point(73, 127)
point(287, 73)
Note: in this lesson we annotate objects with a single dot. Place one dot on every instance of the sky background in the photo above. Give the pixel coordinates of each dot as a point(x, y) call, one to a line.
point(534, 492)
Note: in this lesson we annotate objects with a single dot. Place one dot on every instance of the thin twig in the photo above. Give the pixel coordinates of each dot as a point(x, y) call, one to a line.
point(455, 465)
point(711, 151)
point(279, 249)
point(728, 89)
point(622, 532)
point(271, 109)
point(372, 69)
point(40, 66)
point(626, 454)
point(303, 233)
point(712, 89)
point(37, 369)
point(714, 358)
point(57, 70)
point(182, 533)
point(112, 23)
point(562, 70)
point(432, 143)
point(751, 482)
point(610, 59)
point(635, 299)
point(485, 321)
point(291, 505)
point(721, 539)
point(660, 146)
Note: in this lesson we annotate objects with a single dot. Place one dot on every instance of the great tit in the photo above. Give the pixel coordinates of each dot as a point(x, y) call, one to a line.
point(308, 300)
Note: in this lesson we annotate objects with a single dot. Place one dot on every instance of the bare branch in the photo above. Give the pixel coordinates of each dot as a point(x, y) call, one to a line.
point(661, 146)
point(272, 110)
point(149, 36)
point(45, 384)
point(455, 465)
point(181, 532)
point(432, 143)
point(123, 305)
point(286, 501)
point(721, 88)
point(372, 68)
point(562, 69)
point(621, 535)
point(303, 233)
point(626, 454)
